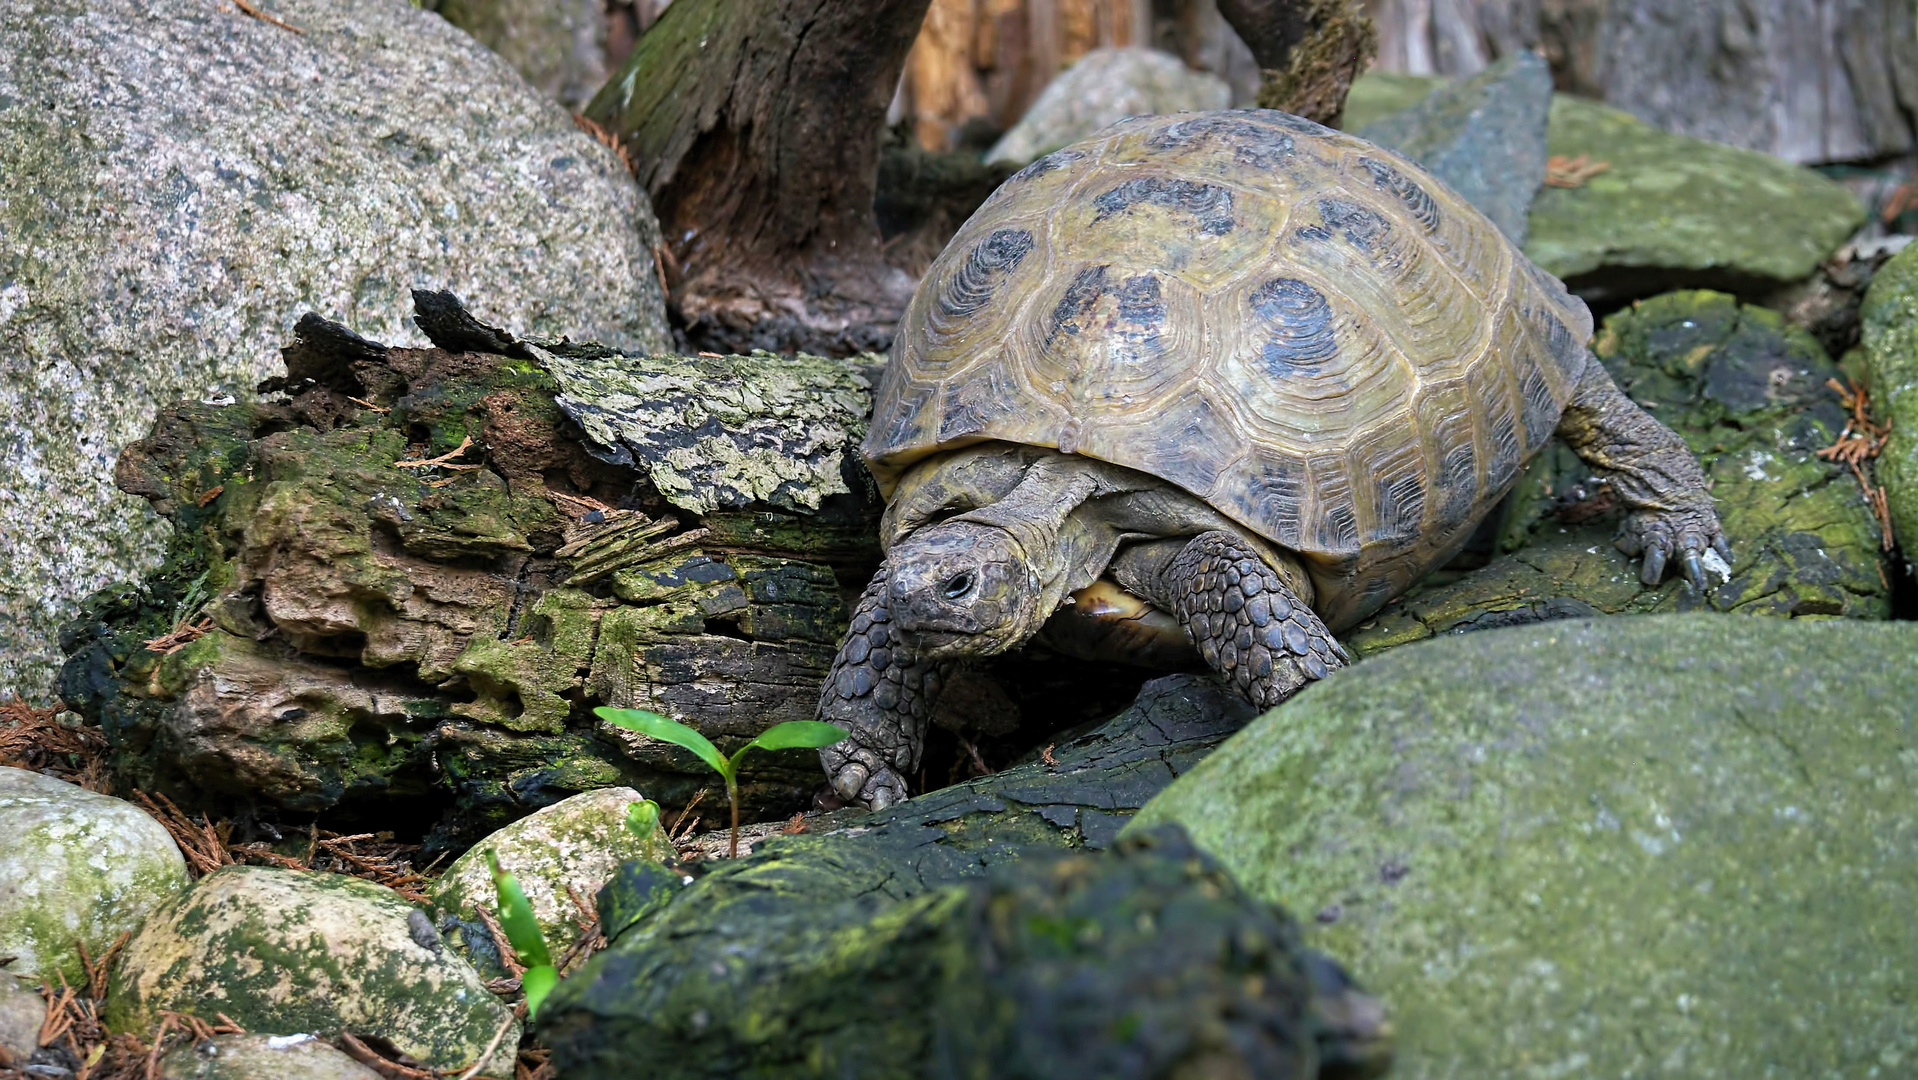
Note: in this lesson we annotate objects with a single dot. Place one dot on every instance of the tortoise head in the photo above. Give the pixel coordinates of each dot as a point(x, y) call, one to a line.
point(962, 588)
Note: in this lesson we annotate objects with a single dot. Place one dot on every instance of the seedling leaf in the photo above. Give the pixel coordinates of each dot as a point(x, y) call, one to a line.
point(797, 734)
point(516, 918)
point(642, 819)
point(536, 984)
point(672, 731)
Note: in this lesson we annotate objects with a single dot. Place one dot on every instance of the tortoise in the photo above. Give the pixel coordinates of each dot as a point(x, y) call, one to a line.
point(1259, 374)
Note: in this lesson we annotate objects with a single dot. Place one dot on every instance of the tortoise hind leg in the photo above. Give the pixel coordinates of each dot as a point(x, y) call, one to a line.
point(1654, 474)
point(1246, 622)
point(882, 693)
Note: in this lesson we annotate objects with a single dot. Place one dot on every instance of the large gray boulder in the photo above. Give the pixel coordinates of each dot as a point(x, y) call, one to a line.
point(184, 181)
point(1668, 845)
point(558, 45)
point(1104, 87)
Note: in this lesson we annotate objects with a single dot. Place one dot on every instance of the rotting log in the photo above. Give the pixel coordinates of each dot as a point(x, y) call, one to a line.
point(401, 579)
point(756, 127)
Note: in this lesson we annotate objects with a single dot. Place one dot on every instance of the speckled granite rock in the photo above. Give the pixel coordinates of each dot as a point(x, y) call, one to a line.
point(287, 950)
point(576, 842)
point(232, 176)
point(1484, 136)
point(1749, 395)
point(21, 1014)
point(1670, 845)
point(1890, 318)
point(557, 45)
point(261, 1057)
point(75, 866)
point(1107, 85)
point(1671, 211)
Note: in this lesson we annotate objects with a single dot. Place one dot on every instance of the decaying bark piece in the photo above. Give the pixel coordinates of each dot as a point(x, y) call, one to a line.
point(1310, 51)
point(755, 128)
point(422, 575)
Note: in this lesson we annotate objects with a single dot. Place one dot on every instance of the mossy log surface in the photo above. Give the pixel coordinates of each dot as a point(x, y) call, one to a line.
point(419, 569)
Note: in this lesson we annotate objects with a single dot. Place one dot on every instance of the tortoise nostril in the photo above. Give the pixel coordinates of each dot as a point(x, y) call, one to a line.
point(958, 585)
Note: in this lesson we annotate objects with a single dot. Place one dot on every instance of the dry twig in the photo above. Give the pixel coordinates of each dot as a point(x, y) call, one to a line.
point(247, 7)
point(1860, 442)
point(508, 959)
point(179, 637)
point(204, 844)
point(363, 402)
point(444, 461)
point(1571, 172)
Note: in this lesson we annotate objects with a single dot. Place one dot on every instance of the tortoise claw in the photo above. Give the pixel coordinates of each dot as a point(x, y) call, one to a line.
point(1695, 570)
point(1688, 534)
point(1653, 569)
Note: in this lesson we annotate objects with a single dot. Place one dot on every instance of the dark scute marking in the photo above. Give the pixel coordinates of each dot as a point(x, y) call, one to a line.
point(1209, 203)
point(1416, 199)
point(1506, 451)
point(1069, 315)
point(1253, 144)
point(1312, 234)
point(970, 290)
point(1401, 505)
point(1377, 591)
point(972, 406)
point(1299, 323)
point(1139, 301)
point(1458, 479)
point(1362, 227)
point(1058, 159)
point(1288, 121)
point(1567, 352)
point(1339, 530)
point(1541, 410)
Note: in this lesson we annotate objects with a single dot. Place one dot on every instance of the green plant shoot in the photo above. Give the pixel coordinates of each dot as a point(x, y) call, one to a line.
point(791, 735)
point(642, 820)
point(522, 932)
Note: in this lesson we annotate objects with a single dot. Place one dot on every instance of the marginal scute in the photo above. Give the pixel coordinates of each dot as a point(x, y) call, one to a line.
point(1308, 332)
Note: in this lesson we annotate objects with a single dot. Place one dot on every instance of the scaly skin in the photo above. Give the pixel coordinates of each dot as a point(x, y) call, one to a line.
point(1245, 622)
point(1653, 472)
point(882, 693)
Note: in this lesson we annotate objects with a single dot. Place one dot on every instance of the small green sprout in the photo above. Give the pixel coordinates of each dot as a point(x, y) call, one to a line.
point(522, 932)
point(642, 820)
point(791, 735)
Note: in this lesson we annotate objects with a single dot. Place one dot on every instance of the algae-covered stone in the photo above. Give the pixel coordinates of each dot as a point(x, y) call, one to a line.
point(233, 175)
point(1376, 95)
point(1667, 845)
point(1483, 136)
point(287, 950)
point(576, 843)
point(75, 867)
point(261, 1057)
point(1890, 317)
point(1141, 962)
point(1673, 210)
point(1750, 397)
point(1104, 86)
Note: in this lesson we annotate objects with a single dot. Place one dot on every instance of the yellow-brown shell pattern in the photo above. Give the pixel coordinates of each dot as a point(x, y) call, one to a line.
point(1306, 331)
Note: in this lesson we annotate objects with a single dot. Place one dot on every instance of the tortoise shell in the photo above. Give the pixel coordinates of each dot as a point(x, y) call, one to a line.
point(1304, 330)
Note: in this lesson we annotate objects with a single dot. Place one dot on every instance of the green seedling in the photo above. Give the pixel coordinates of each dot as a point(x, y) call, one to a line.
point(642, 820)
point(522, 932)
point(791, 735)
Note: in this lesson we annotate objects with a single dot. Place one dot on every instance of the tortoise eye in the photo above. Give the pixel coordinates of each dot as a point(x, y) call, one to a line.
point(958, 585)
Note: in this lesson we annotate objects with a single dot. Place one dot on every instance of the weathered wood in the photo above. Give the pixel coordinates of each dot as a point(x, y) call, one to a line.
point(1309, 50)
point(420, 569)
point(755, 127)
point(1834, 80)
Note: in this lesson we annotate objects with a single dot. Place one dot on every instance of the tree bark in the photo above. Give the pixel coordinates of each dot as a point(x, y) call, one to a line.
point(755, 127)
point(1309, 50)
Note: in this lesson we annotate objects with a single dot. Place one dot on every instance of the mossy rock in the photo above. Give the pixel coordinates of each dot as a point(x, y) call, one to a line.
point(1141, 962)
point(575, 844)
point(1673, 210)
point(1669, 844)
point(1890, 317)
point(261, 1057)
point(1376, 95)
point(292, 951)
point(1750, 397)
point(76, 869)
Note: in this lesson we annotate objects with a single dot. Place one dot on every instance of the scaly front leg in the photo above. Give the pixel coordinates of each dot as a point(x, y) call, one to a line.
point(882, 693)
point(1653, 472)
point(1245, 622)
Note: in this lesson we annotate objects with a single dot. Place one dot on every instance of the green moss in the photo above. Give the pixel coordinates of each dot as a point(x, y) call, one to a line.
point(1890, 317)
point(1607, 847)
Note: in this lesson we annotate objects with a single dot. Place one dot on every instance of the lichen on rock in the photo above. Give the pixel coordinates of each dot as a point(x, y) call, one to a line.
point(294, 951)
point(1890, 318)
point(77, 870)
